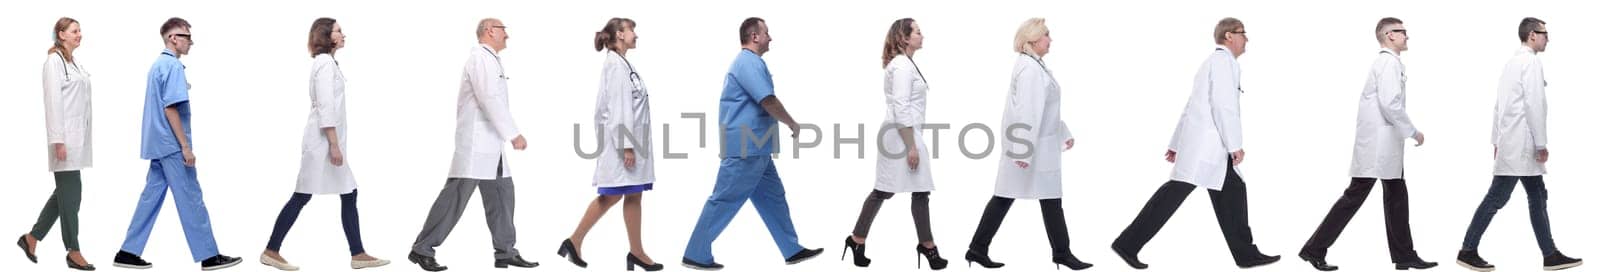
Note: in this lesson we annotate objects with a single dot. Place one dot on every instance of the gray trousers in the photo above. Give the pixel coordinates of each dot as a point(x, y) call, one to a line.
point(499, 204)
point(919, 214)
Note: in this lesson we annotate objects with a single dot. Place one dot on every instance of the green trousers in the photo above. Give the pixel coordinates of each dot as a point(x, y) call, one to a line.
point(62, 204)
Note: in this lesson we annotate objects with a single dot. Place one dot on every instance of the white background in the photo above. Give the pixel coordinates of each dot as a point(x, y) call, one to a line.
point(1125, 67)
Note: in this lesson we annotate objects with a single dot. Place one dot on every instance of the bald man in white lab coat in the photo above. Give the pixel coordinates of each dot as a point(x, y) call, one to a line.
point(1382, 127)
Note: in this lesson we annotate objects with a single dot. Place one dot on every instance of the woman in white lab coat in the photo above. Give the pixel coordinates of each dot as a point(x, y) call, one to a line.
point(1035, 137)
point(901, 168)
point(67, 123)
point(625, 168)
point(323, 169)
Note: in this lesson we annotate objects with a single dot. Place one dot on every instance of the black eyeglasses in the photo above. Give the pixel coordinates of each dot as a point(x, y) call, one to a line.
point(1542, 32)
point(1401, 31)
point(185, 36)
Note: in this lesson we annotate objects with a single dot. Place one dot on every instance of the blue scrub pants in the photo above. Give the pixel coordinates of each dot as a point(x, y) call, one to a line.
point(752, 178)
point(170, 172)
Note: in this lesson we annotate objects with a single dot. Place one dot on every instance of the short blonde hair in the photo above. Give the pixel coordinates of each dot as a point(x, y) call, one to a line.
point(1031, 30)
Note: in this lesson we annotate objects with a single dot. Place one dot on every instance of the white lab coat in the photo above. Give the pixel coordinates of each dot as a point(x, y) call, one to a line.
point(622, 101)
point(1520, 129)
point(483, 118)
point(1382, 124)
point(1210, 127)
point(318, 175)
point(906, 94)
point(1034, 100)
point(68, 113)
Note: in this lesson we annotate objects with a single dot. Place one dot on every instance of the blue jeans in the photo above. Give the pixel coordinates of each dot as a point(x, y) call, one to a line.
point(752, 178)
point(1499, 193)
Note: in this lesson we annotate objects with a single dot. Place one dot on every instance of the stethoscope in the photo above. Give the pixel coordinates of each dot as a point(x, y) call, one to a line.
point(633, 76)
point(497, 63)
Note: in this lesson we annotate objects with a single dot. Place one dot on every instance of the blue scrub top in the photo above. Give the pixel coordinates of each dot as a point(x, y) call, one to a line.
point(167, 87)
point(740, 112)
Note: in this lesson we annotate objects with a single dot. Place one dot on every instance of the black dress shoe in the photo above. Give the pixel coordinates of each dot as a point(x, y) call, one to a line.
point(516, 261)
point(74, 265)
point(1071, 262)
point(128, 260)
point(713, 266)
point(1470, 260)
point(571, 253)
point(635, 261)
point(1415, 263)
point(982, 260)
point(1318, 262)
point(1557, 261)
point(22, 242)
point(1133, 261)
point(219, 262)
point(803, 255)
point(1260, 261)
point(427, 263)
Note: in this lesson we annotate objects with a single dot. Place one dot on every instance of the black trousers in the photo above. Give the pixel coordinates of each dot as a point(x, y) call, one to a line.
point(1230, 204)
point(1055, 225)
point(1396, 219)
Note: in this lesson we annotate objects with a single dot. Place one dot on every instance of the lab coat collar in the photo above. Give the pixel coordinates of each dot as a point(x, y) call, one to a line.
point(490, 49)
point(1391, 52)
point(1525, 50)
point(1225, 49)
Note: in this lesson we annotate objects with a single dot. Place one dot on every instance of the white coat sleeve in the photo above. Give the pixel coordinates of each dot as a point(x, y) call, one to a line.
point(492, 98)
point(1027, 101)
point(1391, 99)
point(54, 110)
point(326, 103)
point(1225, 105)
point(900, 84)
point(619, 90)
point(1533, 88)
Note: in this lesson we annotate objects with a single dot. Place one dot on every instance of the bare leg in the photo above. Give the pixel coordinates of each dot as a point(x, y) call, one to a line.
point(632, 215)
point(597, 208)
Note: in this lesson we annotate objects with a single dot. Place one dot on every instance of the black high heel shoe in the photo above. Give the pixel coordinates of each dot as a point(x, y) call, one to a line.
point(634, 261)
point(932, 254)
point(860, 251)
point(571, 253)
point(982, 260)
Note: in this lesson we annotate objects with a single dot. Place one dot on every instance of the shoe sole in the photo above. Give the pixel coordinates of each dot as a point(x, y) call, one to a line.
point(369, 265)
point(701, 268)
point(279, 266)
point(1473, 268)
point(130, 266)
point(221, 266)
point(1563, 266)
point(801, 260)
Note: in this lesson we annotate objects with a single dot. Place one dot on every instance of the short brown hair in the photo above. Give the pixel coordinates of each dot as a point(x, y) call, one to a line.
point(321, 40)
point(1383, 23)
point(1225, 26)
point(747, 29)
point(172, 24)
point(1528, 26)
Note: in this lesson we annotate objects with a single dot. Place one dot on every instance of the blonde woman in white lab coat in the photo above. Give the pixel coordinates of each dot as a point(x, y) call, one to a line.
point(901, 168)
point(1205, 149)
point(67, 122)
point(1035, 138)
point(323, 169)
point(625, 168)
point(1521, 147)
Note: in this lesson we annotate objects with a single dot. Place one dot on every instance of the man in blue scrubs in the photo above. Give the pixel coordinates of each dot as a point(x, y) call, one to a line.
point(748, 114)
point(166, 143)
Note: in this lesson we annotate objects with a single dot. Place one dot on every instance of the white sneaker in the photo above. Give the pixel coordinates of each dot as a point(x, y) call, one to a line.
point(358, 264)
point(274, 263)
